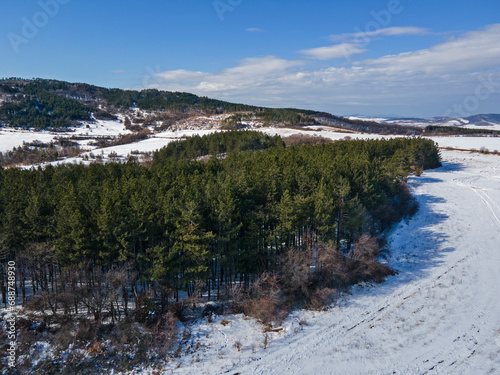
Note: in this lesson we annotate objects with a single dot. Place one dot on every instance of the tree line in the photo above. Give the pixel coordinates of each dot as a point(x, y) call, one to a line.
point(431, 130)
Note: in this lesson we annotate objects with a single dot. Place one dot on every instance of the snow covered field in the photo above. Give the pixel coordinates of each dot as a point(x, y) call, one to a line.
point(469, 143)
point(440, 315)
point(10, 138)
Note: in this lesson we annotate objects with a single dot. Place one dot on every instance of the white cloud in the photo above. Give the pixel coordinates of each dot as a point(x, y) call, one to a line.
point(474, 50)
point(406, 80)
point(255, 30)
point(361, 37)
point(180, 75)
point(248, 73)
point(338, 51)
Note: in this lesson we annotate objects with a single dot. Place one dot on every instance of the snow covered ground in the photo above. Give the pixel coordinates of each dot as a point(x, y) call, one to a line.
point(469, 143)
point(10, 138)
point(439, 315)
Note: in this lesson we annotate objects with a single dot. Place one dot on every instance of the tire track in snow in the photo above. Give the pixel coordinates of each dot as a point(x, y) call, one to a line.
point(485, 198)
point(471, 182)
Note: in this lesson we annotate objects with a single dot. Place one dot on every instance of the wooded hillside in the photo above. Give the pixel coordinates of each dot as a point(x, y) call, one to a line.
point(42, 103)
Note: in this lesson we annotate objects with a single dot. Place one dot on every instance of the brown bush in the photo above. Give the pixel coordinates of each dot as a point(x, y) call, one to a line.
point(36, 303)
point(295, 283)
point(264, 301)
point(86, 331)
point(128, 332)
point(264, 309)
point(322, 297)
point(65, 335)
point(165, 332)
point(177, 309)
point(334, 270)
point(238, 345)
point(295, 274)
point(330, 271)
point(27, 335)
point(366, 248)
point(303, 139)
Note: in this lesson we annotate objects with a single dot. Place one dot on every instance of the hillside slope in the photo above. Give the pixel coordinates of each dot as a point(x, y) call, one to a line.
point(51, 104)
point(43, 103)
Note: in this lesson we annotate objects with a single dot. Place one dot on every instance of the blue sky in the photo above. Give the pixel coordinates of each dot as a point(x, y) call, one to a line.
point(391, 57)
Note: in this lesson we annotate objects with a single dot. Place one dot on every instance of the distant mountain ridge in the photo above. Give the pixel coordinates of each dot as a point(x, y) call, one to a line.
point(483, 120)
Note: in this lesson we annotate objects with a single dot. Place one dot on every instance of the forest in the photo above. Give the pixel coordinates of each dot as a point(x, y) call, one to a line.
point(97, 238)
point(366, 126)
point(41, 110)
point(456, 130)
point(182, 221)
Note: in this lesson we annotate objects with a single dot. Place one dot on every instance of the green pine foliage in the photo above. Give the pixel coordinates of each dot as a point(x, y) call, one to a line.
point(217, 144)
point(286, 116)
point(39, 109)
point(184, 223)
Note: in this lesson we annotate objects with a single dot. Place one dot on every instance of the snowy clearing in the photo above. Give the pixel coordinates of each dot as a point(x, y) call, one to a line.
point(438, 316)
point(468, 143)
point(10, 138)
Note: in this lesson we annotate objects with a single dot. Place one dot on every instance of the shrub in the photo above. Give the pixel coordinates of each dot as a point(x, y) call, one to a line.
point(322, 297)
point(303, 139)
point(295, 274)
point(335, 270)
point(264, 302)
point(366, 248)
point(165, 333)
point(238, 345)
point(86, 331)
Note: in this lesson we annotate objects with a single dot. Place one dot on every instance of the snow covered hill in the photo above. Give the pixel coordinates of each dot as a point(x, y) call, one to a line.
point(439, 315)
point(486, 121)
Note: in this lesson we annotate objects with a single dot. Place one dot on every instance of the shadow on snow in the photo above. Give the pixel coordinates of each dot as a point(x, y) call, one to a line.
point(416, 246)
